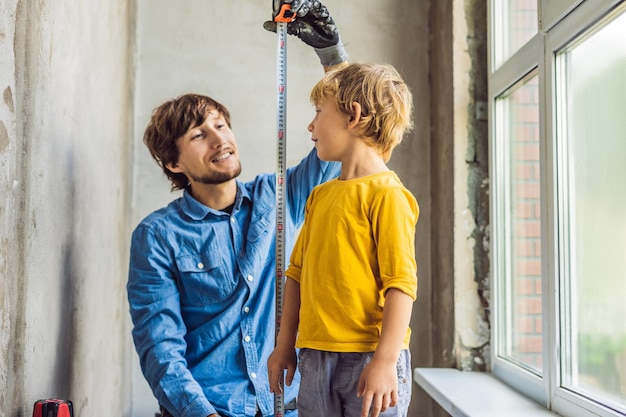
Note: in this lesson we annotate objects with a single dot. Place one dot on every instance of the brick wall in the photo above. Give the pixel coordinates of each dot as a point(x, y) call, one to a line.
point(526, 225)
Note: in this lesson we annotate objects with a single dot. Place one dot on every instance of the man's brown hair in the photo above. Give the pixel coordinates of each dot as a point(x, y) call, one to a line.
point(169, 122)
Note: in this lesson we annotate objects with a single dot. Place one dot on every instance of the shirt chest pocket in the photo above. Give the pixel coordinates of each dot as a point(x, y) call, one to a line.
point(204, 279)
point(261, 235)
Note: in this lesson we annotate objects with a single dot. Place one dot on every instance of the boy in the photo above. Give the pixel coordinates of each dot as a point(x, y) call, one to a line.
point(352, 277)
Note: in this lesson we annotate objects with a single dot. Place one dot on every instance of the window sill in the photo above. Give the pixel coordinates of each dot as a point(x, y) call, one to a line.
point(475, 394)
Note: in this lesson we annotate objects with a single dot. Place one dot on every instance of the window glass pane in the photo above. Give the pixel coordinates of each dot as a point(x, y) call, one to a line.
point(515, 23)
point(593, 74)
point(521, 331)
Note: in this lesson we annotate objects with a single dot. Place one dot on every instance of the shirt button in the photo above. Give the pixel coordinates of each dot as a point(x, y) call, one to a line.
point(200, 265)
point(253, 375)
point(250, 277)
point(232, 220)
point(246, 309)
point(246, 339)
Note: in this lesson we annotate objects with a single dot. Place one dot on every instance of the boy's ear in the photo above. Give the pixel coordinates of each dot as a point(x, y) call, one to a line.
point(355, 117)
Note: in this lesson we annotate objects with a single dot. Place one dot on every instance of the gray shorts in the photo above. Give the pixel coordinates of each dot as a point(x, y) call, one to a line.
point(329, 382)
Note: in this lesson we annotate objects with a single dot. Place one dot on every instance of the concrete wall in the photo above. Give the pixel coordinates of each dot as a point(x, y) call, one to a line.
point(471, 185)
point(65, 119)
point(78, 83)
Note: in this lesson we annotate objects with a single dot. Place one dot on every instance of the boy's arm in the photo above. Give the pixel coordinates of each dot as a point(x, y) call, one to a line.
point(284, 355)
point(378, 385)
point(396, 319)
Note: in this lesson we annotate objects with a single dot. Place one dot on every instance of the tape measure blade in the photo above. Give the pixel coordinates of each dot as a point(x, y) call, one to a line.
point(281, 180)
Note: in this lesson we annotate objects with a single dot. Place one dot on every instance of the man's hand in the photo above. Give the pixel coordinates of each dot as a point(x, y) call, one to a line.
point(315, 27)
point(313, 24)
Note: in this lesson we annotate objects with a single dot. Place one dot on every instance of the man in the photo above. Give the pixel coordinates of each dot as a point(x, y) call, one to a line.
point(202, 270)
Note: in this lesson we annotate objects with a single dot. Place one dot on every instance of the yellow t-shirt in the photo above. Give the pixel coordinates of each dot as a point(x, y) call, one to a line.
point(357, 241)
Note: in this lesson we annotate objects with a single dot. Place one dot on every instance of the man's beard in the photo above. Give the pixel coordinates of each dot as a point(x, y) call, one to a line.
point(217, 177)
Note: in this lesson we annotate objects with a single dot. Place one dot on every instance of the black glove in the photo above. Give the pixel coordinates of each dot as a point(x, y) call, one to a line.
point(315, 27)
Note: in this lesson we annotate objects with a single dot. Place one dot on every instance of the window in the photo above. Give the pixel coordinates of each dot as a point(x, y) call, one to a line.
point(558, 198)
point(518, 111)
point(516, 23)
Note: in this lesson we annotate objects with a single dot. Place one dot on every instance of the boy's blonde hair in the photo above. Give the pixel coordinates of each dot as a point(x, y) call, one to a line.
point(385, 99)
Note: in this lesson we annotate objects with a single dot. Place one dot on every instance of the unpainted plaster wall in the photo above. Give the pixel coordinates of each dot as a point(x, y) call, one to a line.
point(78, 83)
point(471, 185)
point(65, 118)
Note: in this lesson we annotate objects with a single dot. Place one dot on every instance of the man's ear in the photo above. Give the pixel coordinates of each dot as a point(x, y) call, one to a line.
point(355, 117)
point(173, 166)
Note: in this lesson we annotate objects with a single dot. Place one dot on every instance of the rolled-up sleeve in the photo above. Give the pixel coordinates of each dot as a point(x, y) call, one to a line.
point(394, 220)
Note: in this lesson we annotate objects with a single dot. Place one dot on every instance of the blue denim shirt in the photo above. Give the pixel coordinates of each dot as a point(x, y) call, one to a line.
point(202, 290)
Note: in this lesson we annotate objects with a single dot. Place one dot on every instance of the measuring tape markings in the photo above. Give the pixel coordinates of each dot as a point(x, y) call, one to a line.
point(283, 16)
point(281, 150)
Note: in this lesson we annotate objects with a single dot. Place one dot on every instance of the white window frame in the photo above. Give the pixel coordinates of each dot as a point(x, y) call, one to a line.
point(560, 23)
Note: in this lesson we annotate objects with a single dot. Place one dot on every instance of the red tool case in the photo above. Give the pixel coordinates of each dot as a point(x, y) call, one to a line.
point(53, 407)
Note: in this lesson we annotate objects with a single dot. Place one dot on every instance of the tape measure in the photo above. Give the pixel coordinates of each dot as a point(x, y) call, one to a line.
point(283, 15)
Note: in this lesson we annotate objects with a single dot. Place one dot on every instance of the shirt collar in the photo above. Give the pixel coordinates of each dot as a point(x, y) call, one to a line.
point(198, 211)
